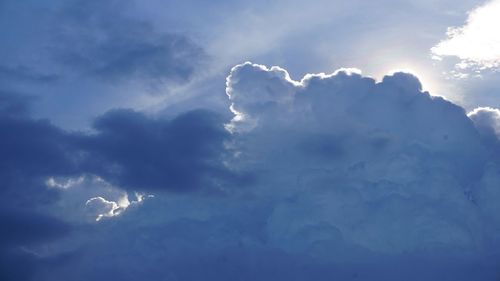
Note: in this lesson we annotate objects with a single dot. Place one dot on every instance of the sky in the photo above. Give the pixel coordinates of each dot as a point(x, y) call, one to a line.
point(249, 140)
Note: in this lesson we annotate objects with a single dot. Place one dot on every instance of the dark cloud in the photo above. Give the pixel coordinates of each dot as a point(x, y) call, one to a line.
point(97, 38)
point(356, 179)
point(137, 152)
point(31, 151)
point(129, 149)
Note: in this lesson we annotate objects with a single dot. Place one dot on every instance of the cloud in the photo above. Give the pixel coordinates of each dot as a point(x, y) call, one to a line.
point(31, 150)
point(487, 120)
point(477, 42)
point(136, 152)
point(96, 38)
point(42, 164)
point(376, 165)
point(353, 179)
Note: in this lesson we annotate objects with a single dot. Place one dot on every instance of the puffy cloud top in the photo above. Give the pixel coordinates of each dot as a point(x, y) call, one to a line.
point(351, 178)
point(380, 165)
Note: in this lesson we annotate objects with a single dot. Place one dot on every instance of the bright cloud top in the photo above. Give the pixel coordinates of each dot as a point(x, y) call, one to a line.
point(477, 43)
point(333, 177)
point(381, 165)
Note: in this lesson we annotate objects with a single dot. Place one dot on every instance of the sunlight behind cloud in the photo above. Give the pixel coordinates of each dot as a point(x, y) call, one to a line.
point(429, 83)
point(101, 207)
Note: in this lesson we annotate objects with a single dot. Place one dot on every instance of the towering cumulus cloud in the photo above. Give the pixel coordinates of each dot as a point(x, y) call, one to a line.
point(333, 177)
point(360, 166)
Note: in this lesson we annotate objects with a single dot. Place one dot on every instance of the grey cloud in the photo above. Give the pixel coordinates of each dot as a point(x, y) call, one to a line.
point(97, 38)
point(141, 153)
point(129, 149)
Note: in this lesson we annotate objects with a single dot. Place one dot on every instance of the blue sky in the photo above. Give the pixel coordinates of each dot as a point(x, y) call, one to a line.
point(249, 140)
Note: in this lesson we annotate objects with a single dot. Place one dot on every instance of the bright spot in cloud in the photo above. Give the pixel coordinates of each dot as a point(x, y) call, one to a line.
point(477, 43)
point(106, 200)
point(103, 208)
point(427, 82)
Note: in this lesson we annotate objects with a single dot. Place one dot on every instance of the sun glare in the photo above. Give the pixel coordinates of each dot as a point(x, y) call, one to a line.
point(428, 83)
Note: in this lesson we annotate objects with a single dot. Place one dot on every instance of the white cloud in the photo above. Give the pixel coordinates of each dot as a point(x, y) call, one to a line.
point(477, 43)
point(380, 165)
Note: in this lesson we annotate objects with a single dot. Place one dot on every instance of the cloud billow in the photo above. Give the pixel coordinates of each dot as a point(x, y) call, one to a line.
point(351, 179)
point(360, 163)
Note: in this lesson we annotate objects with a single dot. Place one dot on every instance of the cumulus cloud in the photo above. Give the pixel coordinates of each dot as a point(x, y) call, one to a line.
point(487, 120)
point(353, 179)
point(477, 42)
point(377, 165)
